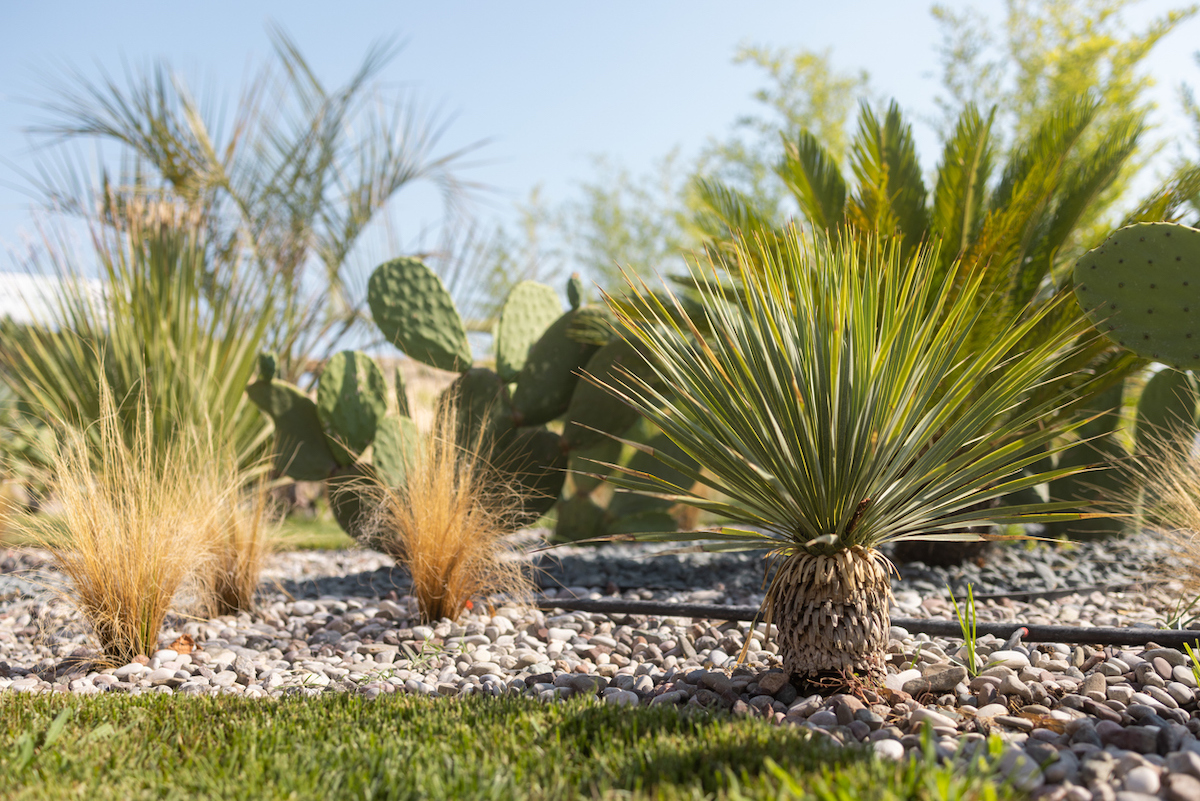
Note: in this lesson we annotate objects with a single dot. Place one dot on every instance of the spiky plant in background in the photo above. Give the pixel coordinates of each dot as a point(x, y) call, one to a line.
point(835, 407)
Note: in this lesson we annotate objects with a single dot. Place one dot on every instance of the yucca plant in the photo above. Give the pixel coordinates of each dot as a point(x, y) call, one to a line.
point(834, 406)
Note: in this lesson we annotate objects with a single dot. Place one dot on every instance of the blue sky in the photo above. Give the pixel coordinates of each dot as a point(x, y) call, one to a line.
point(549, 84)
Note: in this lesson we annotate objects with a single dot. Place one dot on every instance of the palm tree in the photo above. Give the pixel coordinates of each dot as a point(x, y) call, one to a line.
point(292, 182)
point(833, 402)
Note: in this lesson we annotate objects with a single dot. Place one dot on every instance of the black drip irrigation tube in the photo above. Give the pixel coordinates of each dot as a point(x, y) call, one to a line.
point(1075, 635)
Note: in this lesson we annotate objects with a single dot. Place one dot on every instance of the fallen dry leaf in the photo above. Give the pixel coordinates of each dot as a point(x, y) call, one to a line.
point(183, 645)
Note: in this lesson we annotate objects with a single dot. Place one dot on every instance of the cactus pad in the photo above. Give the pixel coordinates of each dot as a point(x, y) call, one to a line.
point(550, 374)
point(1141, 288)
point(536, 462)
point(266, 366)
point(414, 311)
point(301, 448)
point(651, 520)
point(351, 400)
point(584, 468)
point(1166, 412)
point(593, 325)
point(484, 409)
point(348, 500)
point(626, 504)
point(593, 411)
point(575, 291)
point(528, 311)
point(1101, 450)
point(579, 519)
point(396, 441)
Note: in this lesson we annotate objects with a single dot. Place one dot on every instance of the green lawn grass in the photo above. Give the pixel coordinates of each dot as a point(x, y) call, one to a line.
point(404, 747)
point(319, 533)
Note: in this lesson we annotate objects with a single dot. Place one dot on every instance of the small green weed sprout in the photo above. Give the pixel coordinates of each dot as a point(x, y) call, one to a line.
point(1195, 663)
point(968, 621)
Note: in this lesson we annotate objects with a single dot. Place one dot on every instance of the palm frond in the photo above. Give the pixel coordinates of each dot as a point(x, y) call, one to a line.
point(728, 213)
point(966, 166)
point(891, 197)
point(293, 179)
point(1168, 201)
point(811, 174)
point(1076, 193)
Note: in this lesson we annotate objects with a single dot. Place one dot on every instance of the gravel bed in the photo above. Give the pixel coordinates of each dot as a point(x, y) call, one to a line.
point(1078, 722)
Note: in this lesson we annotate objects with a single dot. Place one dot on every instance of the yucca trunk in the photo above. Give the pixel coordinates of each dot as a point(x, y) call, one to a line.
point(831, 613)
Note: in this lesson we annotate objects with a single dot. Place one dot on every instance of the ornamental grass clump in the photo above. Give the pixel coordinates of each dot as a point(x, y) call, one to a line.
point(832, 400)
point(127, 538)
point(151, 523)
point(1162, 492)
point(448, 523)
point(241, 532)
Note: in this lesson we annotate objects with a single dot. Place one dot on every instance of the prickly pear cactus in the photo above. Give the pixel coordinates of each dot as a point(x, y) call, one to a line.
point(266, 366)
point(588, 466)
point(1100, 451)
point(484, 408)
point(416, 314)
point(396, 441)
point(529, 310)
point(351, 488)
point(593, 511)
point(301, 449)
point(348, 500)
point(1141, 287)
point(352, 397)
point(550, 374)
point(536, 462)
point(579, 518)
point(594, 413)
point(592, 325)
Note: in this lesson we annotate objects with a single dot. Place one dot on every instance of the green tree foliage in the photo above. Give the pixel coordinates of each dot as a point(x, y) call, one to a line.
point(1050, 52)
point(627, 222)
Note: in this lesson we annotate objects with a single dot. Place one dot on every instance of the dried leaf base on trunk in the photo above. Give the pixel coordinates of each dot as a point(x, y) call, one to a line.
point(831, 613)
